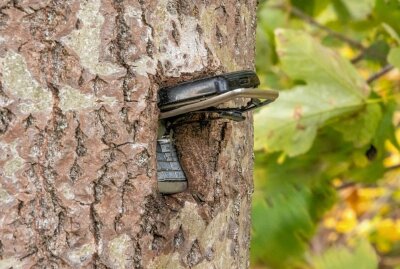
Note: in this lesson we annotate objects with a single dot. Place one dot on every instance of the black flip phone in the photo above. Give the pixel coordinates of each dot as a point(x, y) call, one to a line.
point(197, 90)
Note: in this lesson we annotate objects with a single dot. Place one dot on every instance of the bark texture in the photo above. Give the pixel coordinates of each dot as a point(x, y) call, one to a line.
point(78, 127)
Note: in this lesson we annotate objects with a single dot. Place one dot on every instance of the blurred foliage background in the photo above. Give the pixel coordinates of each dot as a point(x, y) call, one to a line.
point(327, 151)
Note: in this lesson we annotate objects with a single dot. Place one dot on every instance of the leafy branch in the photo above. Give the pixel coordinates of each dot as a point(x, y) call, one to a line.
point(310, 20)
point(380, 73)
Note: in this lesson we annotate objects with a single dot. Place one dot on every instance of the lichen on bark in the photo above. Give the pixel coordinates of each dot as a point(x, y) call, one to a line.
point(19, 83)
point(86, 40)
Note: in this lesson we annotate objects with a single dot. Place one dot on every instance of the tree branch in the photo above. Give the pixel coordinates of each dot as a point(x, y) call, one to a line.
point(359, 57)
point(300, 14)
point(380, 73)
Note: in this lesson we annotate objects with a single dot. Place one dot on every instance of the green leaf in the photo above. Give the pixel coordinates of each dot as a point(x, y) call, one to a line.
point(388, 11)
point(377, 51)
point(363, 256)
point(391, 32)
point(269, 19)
point(311, 7)
point(333, 89)
point(286, 206)
point(360, 128)
point(394, 57)
point(277, 229)
point(342, 12)
point(359, 9)
point(385, 131)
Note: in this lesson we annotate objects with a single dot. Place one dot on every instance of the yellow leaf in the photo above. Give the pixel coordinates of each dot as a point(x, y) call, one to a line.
point(394, 155)
point(362, 207)
point(396, 196)
point(388, 229)
point(281, 158)
point(385, 209)
point(347, 222)
point(347, 52)
point(383, 246)
point(330, 222)
point(337, 182)
point(390, 147)
point(397, 134)
point(370, 193)
point(364, 228)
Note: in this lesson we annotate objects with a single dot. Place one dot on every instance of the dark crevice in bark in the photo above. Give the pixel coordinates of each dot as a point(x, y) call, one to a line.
point(57, 52)
point(98, 84)
point(80, 138)
point(200, 31)
point(15, 4)
point(81, 80)
point(78, 24)
point(158, 242)
point(20, 206)
point(118, 217)
point(219, 36)
point(96, 223)
point(152, 223)
point(149, 45)
point(194, 256)
point(32, 250)
point(220, 144)
point(1, 250)
point(218, 190)
point(121, 45)
point(94, 217)
point(99, 189)
point(223, 8)
point(131, 126)
point(6, 117)
point(33, 177)
point(97, 263)
point(3, 18)
point(57, 62)
point(137, 258)
point(44, 21)
point(59, 210)
point(210, 58)
point(109, 132)
point(233, 234)
point(175, 33)
point(29, 122)
point(179, 238)
point(75, 172)
point(36, 149)
point(47, 207)
point(187, 8)
point(3, 96)
point(209, 254)
point(50, 206)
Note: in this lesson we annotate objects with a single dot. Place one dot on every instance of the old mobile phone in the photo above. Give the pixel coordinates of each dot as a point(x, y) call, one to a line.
point(171, 178)
point(202, 95)
point(201, 89)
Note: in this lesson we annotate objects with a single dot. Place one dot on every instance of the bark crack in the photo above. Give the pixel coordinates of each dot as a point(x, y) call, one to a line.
point(149, 45)
point(6, 117)
point(194, 256)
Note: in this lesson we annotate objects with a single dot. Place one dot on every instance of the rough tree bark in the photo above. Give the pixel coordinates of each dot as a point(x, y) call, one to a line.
point(78, 127)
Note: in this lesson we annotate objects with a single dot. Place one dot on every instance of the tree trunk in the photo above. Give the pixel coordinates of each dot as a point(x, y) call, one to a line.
point(78, 130)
